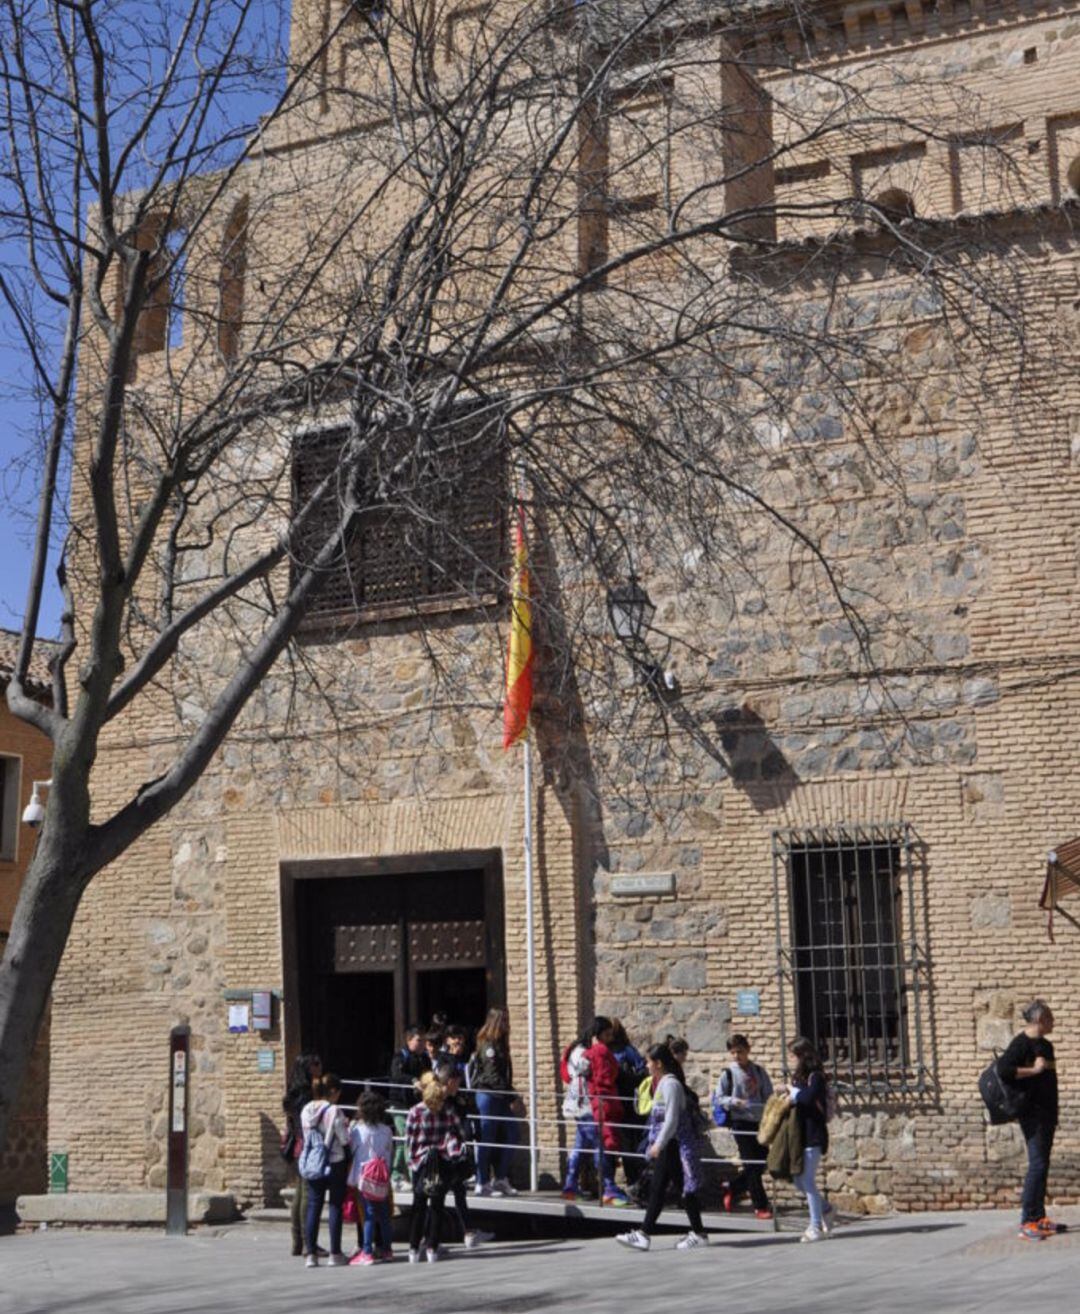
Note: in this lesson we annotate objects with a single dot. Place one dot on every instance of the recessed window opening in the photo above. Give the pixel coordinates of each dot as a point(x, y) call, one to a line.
point(10, 780)
point(175, 259)
point(231, 281)
point(851, 968)
point(1072, 175)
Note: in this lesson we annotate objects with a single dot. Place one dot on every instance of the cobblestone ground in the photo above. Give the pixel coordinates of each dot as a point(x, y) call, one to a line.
point(941, 1262)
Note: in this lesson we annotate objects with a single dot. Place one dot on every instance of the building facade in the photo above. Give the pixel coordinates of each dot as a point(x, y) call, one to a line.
point(809, 844)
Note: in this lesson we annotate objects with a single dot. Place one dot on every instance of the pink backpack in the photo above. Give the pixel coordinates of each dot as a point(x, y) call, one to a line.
point(375, 1180)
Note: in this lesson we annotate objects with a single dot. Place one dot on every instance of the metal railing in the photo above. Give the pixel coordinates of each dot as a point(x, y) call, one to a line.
point(532, 1144)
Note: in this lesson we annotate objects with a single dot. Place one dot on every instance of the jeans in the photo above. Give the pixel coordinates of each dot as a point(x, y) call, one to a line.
point(806, 1182)
point(401, 1162)
point(376, 1212)
point(334, 1187)
point(1039, 1138)
point(749, 1178)
point(667, 1167)
point(497, 1136)
point(586, 1143)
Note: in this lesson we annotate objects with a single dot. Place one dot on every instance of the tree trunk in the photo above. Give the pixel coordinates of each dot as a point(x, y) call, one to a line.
point(46, 909)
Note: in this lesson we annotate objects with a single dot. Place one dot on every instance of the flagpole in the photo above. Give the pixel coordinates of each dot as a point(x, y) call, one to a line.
point(530, 967)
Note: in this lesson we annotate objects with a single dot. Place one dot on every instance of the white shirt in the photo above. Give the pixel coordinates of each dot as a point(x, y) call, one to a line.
point(369, 1141)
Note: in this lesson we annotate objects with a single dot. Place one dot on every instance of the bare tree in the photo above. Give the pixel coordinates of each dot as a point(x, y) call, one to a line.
point(515, 259)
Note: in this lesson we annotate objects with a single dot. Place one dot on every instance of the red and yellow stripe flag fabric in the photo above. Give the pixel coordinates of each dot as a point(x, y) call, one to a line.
point(519, 655)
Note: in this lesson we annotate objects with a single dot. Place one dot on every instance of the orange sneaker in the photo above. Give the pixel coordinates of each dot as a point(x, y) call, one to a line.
point(1031, 1232)
point(1048, 1227)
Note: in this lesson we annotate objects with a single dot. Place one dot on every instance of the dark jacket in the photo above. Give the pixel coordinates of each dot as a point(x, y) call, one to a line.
point(491, 1068)
point(405, 1068)
point(1041, 1090)
point(811, 1111)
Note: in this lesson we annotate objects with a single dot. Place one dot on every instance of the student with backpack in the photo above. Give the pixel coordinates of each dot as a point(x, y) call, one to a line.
point(577, 1109)
point(323, 1166)
point(1028, 1062)
point(448, 1075)
point(435, 1141)
point(406, 1068)
point(738, 1102)
point(672, 1153)
point(809, 1096)
point(371, 1144)
point(303, 1081)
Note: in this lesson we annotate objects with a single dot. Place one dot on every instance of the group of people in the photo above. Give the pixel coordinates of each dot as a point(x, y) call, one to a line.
point(658, 1130)
point(623, 1106)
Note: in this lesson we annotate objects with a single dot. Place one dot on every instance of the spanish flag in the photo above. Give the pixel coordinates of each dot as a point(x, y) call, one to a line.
point(519, 657)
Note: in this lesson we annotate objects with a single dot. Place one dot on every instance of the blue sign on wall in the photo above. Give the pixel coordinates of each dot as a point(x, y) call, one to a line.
point(747, 1003)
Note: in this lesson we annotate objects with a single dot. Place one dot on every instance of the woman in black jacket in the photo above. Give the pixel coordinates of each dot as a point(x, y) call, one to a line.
point(303, 1087)
point(492, 1080)
point(1029, 1061)
point(809, 1095)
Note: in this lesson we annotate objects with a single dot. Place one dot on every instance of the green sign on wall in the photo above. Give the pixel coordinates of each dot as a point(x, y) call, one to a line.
point(58, 1172)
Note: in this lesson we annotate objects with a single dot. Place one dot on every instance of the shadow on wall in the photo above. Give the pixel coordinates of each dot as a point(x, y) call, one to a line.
point(275, 1174)
point(755, 764)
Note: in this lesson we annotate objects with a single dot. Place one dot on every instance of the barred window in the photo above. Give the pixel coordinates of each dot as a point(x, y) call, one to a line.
point(852, 986)
point(433, 538)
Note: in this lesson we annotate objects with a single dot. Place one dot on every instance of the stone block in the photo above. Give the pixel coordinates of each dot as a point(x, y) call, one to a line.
point(991, 912)
point(133, 1208)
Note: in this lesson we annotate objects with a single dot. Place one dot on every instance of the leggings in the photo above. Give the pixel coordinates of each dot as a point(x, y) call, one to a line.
point(427, 1216)
point(667, 1167)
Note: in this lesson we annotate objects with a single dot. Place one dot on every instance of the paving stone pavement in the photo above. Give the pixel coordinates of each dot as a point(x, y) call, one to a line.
point(949, 1262)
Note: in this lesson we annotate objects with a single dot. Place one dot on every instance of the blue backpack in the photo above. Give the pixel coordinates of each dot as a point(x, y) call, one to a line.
point(719, 1113)
point(314, 1162)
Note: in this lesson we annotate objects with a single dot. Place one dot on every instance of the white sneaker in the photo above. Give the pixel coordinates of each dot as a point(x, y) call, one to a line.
point(338, 1261)
point(414, 1256)
point(502, 1187)
point(483, 1188)
point(691, 1241)
point(828, 1218)
point(813, 1234)
point(433, 1256)
point(311, 1261)
point(477, 1238)
point(634, 1240)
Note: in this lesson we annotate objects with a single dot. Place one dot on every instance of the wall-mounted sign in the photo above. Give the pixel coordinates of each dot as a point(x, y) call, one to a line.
point(747, 1003)
point(262, 1010)
point(648, 882)
point(265, 1060)
point(238, 1018)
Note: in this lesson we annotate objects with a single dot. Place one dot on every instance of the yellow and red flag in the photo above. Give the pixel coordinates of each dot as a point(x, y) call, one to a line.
point(519, 655)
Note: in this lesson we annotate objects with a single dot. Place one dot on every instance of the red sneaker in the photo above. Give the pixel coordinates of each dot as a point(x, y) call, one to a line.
point(763, 1214)
point(727, 1200)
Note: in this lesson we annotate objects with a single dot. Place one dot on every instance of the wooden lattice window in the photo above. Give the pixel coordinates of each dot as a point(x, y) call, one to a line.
point(432, 537)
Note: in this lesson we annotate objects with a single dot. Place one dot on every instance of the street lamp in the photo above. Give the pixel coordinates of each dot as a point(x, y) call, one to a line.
point(631, 611)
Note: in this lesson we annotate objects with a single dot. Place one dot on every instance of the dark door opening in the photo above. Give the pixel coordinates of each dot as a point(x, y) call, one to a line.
point(460, 993)
point(373, 954)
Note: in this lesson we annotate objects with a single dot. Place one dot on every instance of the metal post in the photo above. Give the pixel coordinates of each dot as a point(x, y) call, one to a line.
point(176, 1180)
point(530, 968)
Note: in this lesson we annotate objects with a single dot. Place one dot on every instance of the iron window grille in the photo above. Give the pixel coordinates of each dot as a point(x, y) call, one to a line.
point(434, 536)
point(850, 966)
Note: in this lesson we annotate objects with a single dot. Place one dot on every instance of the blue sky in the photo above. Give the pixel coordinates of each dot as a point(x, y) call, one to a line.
point(21, 424)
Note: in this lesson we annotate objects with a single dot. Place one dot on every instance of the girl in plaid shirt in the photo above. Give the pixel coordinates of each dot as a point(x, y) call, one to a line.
point(434, 1137)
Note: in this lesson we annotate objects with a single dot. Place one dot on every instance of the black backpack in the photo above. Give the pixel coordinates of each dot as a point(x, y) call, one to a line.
point(1004, 1100)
